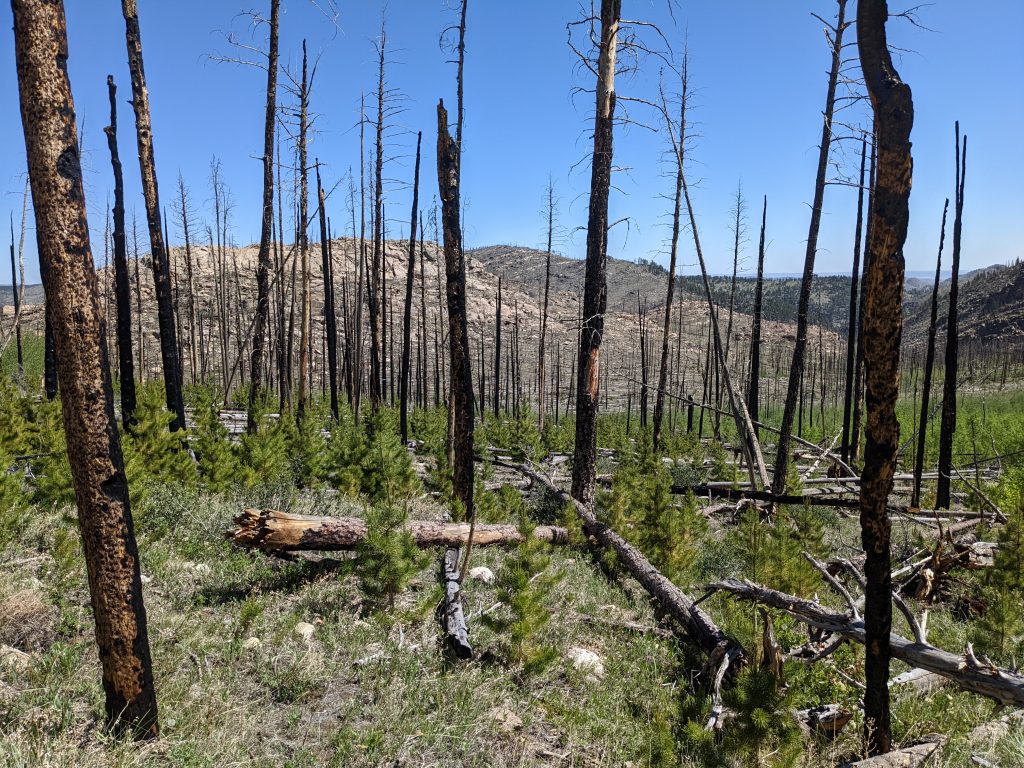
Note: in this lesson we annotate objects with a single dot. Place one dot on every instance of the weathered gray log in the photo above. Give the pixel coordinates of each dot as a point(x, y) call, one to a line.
point(965, 671)
point(700, 628)
point(453, 620)
point(909, 757)
point(827, 720)
point(273, 531)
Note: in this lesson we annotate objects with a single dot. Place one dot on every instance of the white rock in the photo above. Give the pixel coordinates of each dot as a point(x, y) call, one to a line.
point(252, 643)
point(17, 660)
point(482, 573)
point(586, 661)
point(146, 579)
point(202, 569)
point(304, 630)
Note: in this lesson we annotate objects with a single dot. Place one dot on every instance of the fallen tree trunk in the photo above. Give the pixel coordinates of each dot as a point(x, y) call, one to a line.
point(738, 494)
point(452, 618)
point(698, 625)
point(273, 531)
point(909, 757)
point(965, 671)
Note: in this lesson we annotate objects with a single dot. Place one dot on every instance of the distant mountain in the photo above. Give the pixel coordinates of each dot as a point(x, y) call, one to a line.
point(33, 295)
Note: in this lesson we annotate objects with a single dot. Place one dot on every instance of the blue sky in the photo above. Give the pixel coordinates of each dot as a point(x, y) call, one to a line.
point(760, 68)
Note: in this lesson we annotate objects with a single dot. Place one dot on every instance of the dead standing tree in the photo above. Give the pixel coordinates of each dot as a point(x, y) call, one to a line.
point(158, 248)
point(834, 34)
point(541, 390)
point(70, 282)
point(410, 276)
point(584, 466)
point(122, 289)
point(458, 335)
point(893, 107)
point(263, 259)
point(948, 425)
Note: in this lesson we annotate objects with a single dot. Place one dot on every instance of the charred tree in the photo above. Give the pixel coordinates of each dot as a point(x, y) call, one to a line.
point(595, 289)
point(73, 307)
point(541, 389)
point(796, 369)
point(263, 258)
point(851, 331)
point(754, 390)
point(948, 425)
point(303, 237)
point(929, 363)
point(893, 107)
point(410, 278)
point(158, 249)
point(122, 289)
point(330, 318)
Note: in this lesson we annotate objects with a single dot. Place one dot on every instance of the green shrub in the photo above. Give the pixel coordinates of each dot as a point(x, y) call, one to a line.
point(388, 556)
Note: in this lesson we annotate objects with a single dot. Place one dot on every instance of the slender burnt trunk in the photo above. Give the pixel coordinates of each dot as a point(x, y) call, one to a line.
point(16, 292)
point(883, 324)
point(851, 331)
point(659, 397)
point(929, 364)
point(122, 290)
point(376, 297)
point(330, 318)
point(858, 370)
point(948, 425)
point(458, 330)
point(595, 289)
point(73, 308)
point(301, 226)
point(410, 278)
point(158, 249)
point(754, 391)
point(497, 353)
point(263, 258)
point(544, 312)
point(797, 366)
point(50, 375)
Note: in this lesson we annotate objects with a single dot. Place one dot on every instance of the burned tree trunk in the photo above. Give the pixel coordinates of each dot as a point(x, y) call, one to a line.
point(330, 318)
point(594, 289)
point(541, 384)
point(69, 279)
point(410, 277)
point(948, 425)
point(796, 369)
point(929, 363)
point(122, 290)
point(851, 331)
point(263, 259)
point(50, 377)
point(754, 390)
point(161, 264)
point(303, 238)
point(893, 107)
point(458, 332)
point(496, 404)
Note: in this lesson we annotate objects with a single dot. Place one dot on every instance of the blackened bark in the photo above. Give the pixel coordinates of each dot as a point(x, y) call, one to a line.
point(303, 237)
point(263, 259)
point(948, 425)
point(851, 331)
point(497, 353)
point(858, 372)
point(158, 249)
point(50, 376)
point(122, 289)
point(458, 331)
point(883, 325)
point(594, 288)
point(330, 318)
point(929, 364)
point(541, 388)
point(754, 390)
point(410, 277)
point(73, 307)
point(797, 367)
point(16, 292)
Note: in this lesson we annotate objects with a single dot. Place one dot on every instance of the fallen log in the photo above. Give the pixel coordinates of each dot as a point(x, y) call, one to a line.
point(737, 494)
point(965, 671)
point(273, 531)
point(827, 720)
point(908, 757)
point(697, 624)
point(451, 616)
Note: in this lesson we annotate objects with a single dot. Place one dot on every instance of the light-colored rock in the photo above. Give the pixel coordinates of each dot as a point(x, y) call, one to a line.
point(252, 643)
point(202, 569)
point(146, 579)
point(482, 573)
point(17, 660)
point(304, 630)
point(586, 661)
point(505, 719)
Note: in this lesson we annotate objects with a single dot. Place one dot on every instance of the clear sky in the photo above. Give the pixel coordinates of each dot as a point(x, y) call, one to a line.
point(760, 68)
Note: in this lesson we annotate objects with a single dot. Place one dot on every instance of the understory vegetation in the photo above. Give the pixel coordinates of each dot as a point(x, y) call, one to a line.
point(336, 660)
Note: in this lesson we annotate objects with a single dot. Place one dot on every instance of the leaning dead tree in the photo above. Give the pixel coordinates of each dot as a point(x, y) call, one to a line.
point(73, 308)
point(749, 443)
point(893, 108)
point(158, 248)
point(273, 531)
point(264, 262)
point(796, 370)
point(584, 464)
